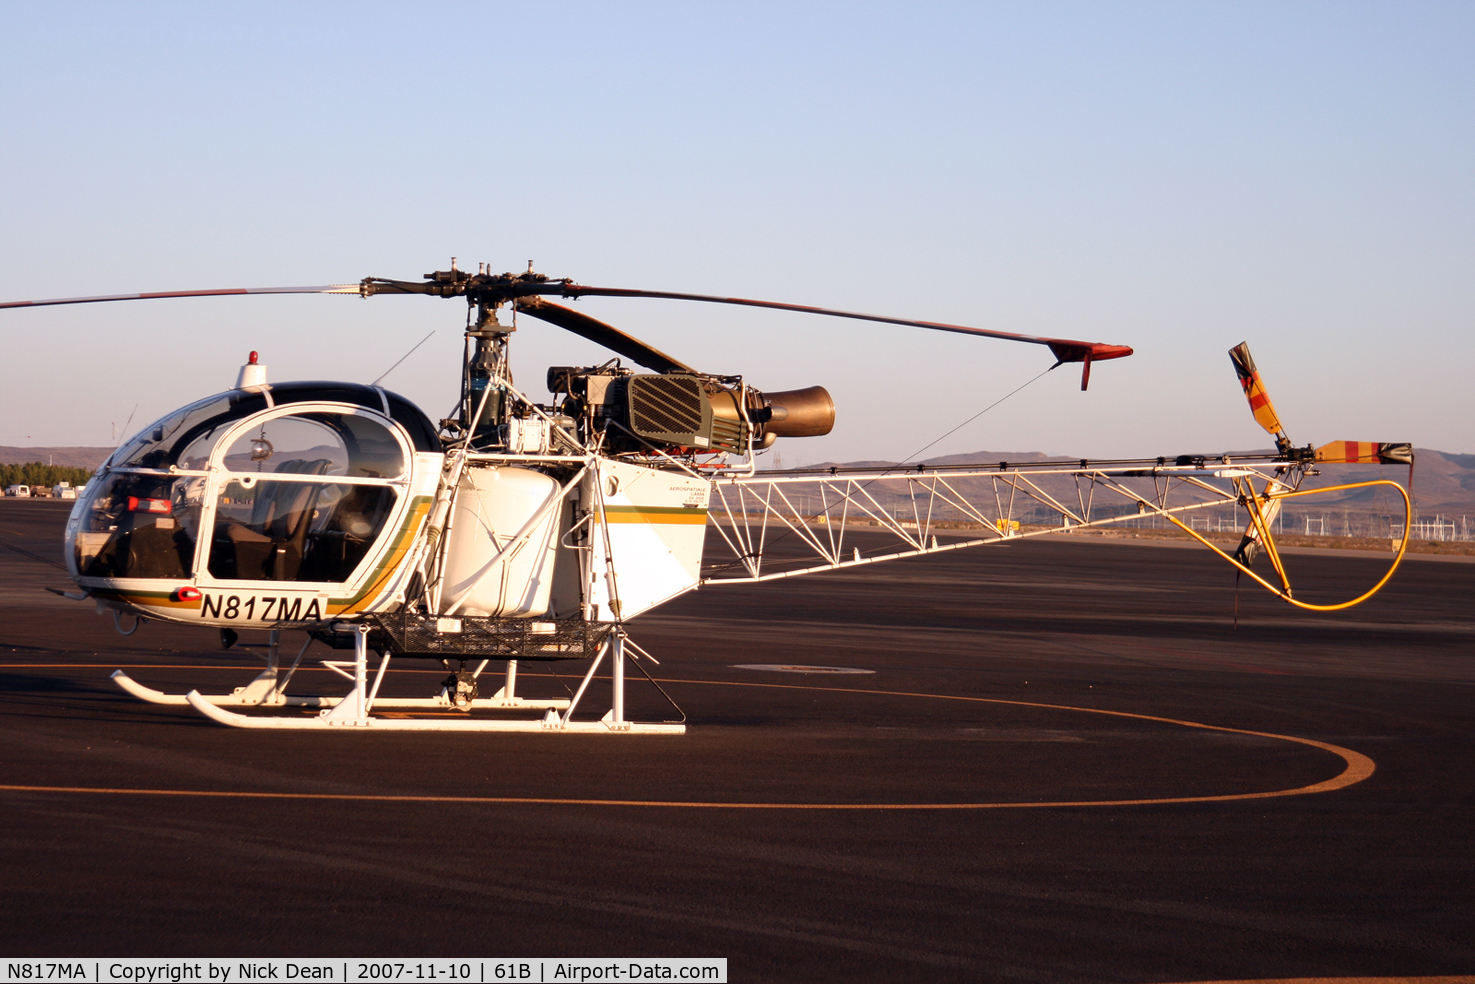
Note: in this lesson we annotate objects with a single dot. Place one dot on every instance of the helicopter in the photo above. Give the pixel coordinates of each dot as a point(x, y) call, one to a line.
point(526, 530)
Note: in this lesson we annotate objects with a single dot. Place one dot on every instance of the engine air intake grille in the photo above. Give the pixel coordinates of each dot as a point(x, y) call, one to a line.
point(667, 407)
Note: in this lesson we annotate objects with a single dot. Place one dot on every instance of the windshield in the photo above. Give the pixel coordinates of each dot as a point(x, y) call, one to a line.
point(184, 433)
point(140, 526)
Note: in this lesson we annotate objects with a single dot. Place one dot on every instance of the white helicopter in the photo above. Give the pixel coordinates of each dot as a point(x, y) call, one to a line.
point(521, 530)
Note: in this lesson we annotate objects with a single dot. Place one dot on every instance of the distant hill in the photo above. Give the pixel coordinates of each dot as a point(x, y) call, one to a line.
point(1442, 482)
point(88, 458)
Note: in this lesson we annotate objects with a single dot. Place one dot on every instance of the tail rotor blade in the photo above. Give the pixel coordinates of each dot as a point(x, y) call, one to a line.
point(1249, 379)
point(1365, 453)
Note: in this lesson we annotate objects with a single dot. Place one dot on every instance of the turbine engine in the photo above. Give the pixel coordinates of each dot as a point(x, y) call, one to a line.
point(685, 411)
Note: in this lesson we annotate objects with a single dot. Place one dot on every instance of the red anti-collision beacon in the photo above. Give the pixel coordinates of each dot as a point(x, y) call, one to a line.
point(252, 375)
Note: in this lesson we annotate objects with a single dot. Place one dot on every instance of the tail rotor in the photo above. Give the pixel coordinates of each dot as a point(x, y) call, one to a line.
point(1266, 506)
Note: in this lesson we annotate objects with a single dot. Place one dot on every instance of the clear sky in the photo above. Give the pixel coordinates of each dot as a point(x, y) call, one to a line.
point(1178, 177)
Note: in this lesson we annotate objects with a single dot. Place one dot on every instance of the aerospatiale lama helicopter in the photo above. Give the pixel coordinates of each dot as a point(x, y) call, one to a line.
point(524, 530)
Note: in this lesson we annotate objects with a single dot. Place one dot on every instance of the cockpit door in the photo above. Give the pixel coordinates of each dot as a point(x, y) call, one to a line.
point(305, 505)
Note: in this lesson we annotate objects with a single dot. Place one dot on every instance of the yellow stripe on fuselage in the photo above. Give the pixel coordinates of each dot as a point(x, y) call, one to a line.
point(390, 564)
point(656, 515)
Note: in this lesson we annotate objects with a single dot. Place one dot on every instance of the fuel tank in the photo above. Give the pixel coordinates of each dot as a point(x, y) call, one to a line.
point(501, 546)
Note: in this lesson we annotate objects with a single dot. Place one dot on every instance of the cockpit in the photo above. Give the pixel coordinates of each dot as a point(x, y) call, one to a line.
point(295, 483)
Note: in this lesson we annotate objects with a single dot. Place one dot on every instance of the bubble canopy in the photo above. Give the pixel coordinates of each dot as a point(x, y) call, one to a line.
point(242, 487)
point(179, 437)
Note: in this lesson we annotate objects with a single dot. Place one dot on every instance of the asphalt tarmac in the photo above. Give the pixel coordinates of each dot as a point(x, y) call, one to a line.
point(1066, 760)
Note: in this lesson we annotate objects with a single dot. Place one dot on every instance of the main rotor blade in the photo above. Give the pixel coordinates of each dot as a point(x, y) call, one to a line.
point(525, 288)
point(330, 289)
point(489, 288)
point(597, 331)
point(1064, 349)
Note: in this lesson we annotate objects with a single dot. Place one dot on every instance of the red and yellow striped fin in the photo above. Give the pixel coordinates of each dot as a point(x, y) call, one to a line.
point(1249, 378)
point(1365, 453)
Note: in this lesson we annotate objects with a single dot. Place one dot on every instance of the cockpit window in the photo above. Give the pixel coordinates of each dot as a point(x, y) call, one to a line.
point(164, 442)
point(346, 444)
point(296, 531)
point(140, 526)
point(406, 414)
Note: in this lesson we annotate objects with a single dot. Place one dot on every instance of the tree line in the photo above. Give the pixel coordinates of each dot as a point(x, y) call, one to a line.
point(37, 473)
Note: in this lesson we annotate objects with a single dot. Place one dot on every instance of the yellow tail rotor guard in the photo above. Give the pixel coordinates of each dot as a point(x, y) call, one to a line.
point(1253, 504)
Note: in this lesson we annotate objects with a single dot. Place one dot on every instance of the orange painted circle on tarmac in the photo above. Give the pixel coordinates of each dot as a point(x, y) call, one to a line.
point(1357, 768)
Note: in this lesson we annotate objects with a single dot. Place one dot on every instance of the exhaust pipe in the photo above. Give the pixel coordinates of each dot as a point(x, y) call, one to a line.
point(800, 413)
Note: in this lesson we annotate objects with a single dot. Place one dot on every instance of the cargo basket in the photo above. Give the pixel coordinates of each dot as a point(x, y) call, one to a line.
point(486, 637)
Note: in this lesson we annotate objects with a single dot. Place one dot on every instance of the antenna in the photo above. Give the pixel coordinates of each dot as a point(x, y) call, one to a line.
point(401, 359)
point(124, 437)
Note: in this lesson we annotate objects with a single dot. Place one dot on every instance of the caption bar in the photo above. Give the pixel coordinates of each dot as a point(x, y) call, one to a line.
point(451, 971)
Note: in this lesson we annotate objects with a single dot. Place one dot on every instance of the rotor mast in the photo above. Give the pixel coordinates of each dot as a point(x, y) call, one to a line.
point(486, 371)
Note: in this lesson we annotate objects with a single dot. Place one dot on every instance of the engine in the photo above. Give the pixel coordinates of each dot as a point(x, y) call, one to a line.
point(684, 412)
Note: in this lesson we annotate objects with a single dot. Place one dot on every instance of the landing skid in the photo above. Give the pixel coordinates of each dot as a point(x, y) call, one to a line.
point(351, 711)
point(242, 697)
point(269, 690)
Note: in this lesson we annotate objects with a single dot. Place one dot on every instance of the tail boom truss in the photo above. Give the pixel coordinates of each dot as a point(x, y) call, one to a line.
point(815, 510)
